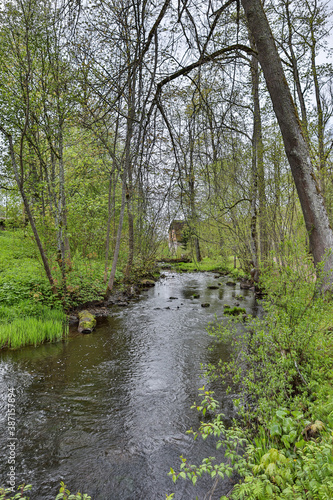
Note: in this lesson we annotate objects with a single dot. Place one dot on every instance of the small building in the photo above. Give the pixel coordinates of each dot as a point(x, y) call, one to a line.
point(176, 236)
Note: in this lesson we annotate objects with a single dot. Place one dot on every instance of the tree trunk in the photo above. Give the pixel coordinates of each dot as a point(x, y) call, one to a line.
point(29, 214)
point(130, 218)
point(62, 227)
point(130, 233)
point(111, 212)
point(320, 115)
point(296, 72)
point(127, 167)
point(258, 167)
point(254, 236)
point(120, 228)
point(129, 159)
point(191, 188)
point(312, 203)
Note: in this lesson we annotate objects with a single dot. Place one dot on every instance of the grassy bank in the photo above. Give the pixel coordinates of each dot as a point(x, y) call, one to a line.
point(208, 264)
point(281, 443)
point(30, 324)
point(29, 312)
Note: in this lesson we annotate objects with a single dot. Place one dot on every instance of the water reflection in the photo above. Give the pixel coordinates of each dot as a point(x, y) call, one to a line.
point(107, 412)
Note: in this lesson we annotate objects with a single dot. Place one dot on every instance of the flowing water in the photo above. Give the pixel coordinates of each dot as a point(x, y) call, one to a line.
point(107, 413)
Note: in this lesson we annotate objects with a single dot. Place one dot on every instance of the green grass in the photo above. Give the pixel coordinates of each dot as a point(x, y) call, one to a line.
point(210, 264)
point(18, 256)
point(29, 324)
point(30, 313)
point(22, 276)
point(207, 264)
point(31, 331)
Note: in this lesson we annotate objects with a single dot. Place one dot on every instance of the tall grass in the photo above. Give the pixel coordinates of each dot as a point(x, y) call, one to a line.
point(18, 329)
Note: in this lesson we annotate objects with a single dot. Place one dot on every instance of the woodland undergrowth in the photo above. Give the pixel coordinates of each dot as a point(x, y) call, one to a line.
point(30, 313)
point(281, 444)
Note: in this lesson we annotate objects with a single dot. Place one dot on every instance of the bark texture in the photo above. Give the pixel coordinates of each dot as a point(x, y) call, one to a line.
point(312, 203)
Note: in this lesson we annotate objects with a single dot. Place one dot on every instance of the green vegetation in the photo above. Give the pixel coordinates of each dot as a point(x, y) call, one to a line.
point(26, 324)
point(108, 135)
point(22, 276)
point(281, 444)
point(233, 311)
point(64, 494)
point(215, 263)
point(30, 313)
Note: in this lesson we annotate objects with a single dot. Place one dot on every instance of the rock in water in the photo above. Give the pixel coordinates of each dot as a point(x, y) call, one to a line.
point(146, 283)
point(87, 322)
point(246, 284)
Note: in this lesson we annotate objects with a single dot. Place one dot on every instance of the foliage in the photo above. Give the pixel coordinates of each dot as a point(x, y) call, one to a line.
point(64, 494)
point(22, 278)
point(30, 324)
point(233, 311)
point(207, 264)
point(281, 446)
point(32, 331)
point(4, 493)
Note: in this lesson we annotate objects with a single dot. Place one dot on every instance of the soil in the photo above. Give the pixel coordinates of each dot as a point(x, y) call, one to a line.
point(101, 308)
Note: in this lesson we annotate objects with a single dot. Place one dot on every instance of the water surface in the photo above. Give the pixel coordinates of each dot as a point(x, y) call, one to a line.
point(108, 412)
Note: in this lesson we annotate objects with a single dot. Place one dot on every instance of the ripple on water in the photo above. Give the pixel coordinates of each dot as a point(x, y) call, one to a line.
point(107, 412)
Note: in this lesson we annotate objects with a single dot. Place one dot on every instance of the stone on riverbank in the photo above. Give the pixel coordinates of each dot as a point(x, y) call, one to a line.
point(147, 283)
point(246, 284)
point(87, 322)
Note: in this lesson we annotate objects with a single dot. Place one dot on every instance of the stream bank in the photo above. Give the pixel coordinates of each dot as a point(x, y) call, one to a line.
point(107, 413)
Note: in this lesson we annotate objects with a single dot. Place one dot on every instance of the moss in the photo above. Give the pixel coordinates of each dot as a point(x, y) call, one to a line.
point(234, 311)
point(147, 283)
point(87, 322)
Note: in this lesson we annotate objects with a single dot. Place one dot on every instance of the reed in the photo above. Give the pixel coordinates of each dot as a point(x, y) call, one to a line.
point(19, 330)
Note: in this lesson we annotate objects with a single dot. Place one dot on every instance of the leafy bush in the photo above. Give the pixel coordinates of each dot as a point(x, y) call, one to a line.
point(281, 446)
point(64, 494)
point(5, 493)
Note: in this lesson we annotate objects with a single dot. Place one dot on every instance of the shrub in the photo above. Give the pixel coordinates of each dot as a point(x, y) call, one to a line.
point(281, 445)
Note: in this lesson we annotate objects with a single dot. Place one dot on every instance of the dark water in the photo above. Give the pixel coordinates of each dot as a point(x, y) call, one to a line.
point(107, 412)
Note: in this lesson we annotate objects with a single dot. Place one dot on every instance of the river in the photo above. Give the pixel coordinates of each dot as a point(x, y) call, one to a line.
point(107, 413)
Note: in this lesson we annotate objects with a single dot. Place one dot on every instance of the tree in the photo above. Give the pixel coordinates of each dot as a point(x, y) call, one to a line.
point(18, 96)
point(296, 147)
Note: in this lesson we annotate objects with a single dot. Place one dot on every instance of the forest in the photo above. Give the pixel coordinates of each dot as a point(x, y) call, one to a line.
point(118, 118)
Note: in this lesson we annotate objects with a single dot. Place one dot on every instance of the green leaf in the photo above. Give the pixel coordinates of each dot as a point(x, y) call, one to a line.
point(275, 430)
point(282, 413)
